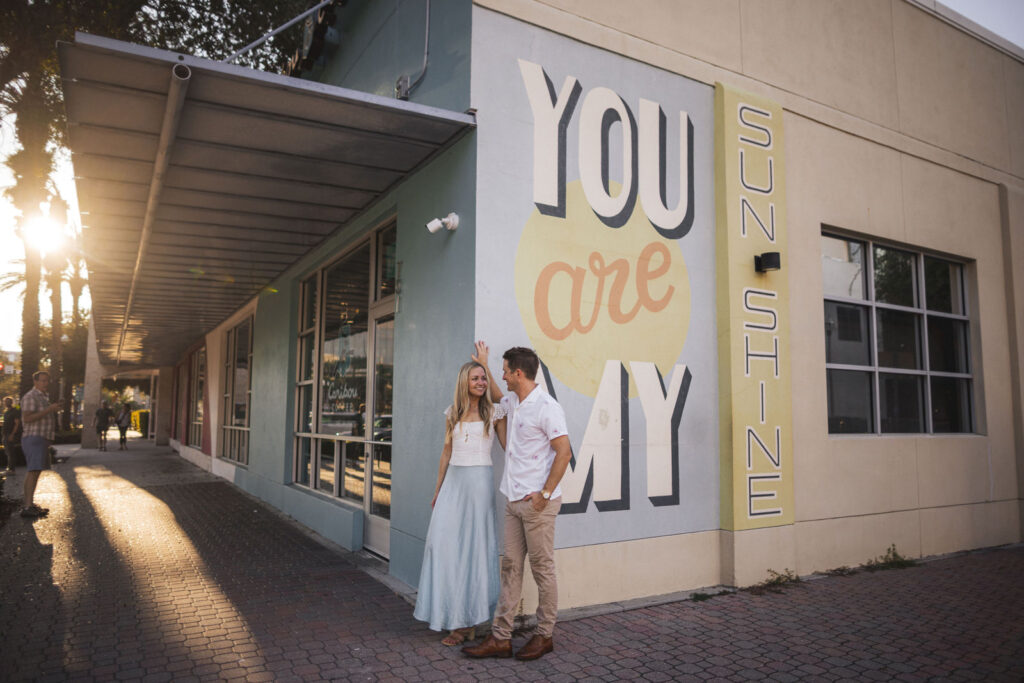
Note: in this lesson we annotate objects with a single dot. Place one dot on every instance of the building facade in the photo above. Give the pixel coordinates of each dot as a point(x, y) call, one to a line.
point(766, 251)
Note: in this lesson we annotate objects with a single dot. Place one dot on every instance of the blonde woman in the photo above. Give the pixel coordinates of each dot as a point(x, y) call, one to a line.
point(459, 580)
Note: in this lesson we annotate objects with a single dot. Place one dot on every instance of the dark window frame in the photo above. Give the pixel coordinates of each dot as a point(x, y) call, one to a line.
point(880, 373)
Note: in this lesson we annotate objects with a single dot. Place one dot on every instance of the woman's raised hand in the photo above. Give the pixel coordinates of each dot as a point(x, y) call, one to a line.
point(481, 354)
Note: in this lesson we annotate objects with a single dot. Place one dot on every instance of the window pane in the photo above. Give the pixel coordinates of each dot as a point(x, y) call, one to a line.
point(386, 262)
point(240, 412)
point(308, 318)
point(842, 267)
point(947, 345)
point(306, 358)
point(901, 403)
point(846, 334)
point(383, 379)
point(894, 277)
point(305, 410)
point(303, 465)
point(325, 481)
point(899, 339)
point(353, 453)
point(942, 285)
point(850, 410)
point(951, 405)
point(343, 364)
point(380, 504)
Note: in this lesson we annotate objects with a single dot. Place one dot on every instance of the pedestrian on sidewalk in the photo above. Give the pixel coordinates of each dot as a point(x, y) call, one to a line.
point(101, 421)
point(536, 456)
point(124, 421)
point(458, 586)
point(11, 432)
point(40, 420)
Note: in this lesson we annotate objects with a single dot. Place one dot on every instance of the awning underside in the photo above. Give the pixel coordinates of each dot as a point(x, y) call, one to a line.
point(262, 169)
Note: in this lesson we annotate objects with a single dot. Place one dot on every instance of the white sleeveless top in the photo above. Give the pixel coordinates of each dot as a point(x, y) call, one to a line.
point(469, 445)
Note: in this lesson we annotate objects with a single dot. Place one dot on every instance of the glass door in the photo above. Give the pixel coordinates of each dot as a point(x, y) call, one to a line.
point(378, 446)
point(380, 389)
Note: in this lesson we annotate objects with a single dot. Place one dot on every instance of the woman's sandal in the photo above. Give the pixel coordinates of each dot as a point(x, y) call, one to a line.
point(459, 636)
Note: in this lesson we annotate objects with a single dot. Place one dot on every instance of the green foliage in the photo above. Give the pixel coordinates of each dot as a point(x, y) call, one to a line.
point(841, 571)
point(776, 582)
point(890, 560)
point(701, 597)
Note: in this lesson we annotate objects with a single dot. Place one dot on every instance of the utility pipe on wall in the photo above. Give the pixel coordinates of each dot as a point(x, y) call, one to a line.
point(180, 76)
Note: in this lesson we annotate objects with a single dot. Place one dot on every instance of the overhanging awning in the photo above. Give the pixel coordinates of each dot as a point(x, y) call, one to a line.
point(192, 203)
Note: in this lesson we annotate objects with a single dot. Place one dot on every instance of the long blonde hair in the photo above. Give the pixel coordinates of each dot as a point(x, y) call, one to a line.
point(462, 402)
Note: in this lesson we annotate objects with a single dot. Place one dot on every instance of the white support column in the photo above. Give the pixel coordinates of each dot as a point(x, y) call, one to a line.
point(91, 390)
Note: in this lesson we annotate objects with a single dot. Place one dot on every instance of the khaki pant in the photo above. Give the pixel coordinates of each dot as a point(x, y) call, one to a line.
point(528, 531)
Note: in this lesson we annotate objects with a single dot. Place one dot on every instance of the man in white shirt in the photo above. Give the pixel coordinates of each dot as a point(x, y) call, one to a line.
point(536, 455)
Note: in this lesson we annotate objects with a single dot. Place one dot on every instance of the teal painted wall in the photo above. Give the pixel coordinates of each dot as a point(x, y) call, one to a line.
point(433, 337)
point(272, 395)
point(383, 39)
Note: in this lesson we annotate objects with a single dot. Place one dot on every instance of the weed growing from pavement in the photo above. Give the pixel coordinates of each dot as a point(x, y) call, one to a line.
point(776, 582)
point(891, 560)
point(840, 571)
point(701, 597)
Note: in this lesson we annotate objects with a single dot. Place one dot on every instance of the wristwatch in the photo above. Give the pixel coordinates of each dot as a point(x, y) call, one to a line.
point(546, 495)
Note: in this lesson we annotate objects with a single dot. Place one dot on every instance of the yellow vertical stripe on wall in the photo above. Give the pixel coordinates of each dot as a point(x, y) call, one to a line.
point(753, 313)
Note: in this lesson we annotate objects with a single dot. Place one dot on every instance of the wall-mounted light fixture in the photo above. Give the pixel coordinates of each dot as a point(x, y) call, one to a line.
point(769, 260)
point(451, 221)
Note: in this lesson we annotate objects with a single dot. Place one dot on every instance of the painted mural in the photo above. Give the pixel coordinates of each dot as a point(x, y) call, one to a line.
point(596, 246)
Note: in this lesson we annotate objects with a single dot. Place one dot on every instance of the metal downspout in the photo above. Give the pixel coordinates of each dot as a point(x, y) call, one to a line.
point(180, 75)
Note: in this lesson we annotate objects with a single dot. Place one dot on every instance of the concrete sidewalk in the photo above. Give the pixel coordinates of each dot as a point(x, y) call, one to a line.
point(148, 568)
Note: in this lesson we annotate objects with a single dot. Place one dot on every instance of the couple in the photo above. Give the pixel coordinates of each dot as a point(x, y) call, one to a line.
point(459, 580)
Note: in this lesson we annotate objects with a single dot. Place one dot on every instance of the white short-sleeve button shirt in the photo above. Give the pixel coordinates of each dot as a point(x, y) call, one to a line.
point(532, 424)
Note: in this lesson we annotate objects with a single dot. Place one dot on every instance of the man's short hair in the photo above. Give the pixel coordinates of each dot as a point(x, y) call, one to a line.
point(522, 358)
point(39, 373)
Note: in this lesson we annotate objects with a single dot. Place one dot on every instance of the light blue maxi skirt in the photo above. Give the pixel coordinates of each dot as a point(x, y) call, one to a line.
point(459, 582)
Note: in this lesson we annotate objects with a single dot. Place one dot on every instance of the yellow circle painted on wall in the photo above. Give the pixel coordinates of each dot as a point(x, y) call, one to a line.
point(589, 293)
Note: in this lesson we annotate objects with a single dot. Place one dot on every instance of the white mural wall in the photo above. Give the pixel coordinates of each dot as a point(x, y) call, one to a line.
point(595, 246)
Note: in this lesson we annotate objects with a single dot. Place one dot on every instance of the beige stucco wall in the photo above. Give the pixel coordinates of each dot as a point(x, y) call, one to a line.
point(899, 127)
point(882, 490)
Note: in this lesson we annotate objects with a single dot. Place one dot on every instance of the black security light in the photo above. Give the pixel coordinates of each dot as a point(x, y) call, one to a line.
point(769, 260)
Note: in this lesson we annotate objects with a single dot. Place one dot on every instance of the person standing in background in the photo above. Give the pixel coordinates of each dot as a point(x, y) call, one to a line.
point(40, 420)
point(123, 422)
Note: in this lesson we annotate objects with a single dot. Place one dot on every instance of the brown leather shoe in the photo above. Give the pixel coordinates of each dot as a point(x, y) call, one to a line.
point(491, 647)
point(535, 648)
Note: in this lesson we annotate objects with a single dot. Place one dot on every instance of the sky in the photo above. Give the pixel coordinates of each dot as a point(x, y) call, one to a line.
point(1003, 17)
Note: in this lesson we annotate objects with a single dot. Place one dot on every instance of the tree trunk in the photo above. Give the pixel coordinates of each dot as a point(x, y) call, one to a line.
point(31, 166)
point(57, 380)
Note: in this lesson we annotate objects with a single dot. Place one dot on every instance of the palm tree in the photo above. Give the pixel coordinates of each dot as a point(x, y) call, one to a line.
point(30, 90)
point(31, 166)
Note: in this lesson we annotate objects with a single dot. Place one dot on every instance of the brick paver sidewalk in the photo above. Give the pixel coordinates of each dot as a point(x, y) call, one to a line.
point(148, 568)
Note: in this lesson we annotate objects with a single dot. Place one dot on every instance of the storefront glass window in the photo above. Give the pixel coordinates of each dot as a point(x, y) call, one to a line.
point(387, 263)
point(237, 393)
point(898, 361)
point(343, 359)
point(345, 377)
point(198, 388)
